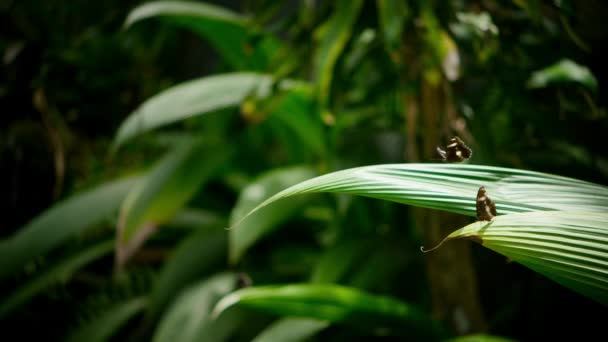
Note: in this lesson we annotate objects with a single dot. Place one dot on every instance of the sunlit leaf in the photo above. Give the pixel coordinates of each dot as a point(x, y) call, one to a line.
point(453, 187)
point(569, 247)
point(52, 275)
point(264, 221)
point(190, 99)
point(564, 71)
point(103, 327)
point(228, 32)
point(335, 33)
point(163, 191)
point(332, 303)
point(61, 222)
point(188, 319)
point(480, 338)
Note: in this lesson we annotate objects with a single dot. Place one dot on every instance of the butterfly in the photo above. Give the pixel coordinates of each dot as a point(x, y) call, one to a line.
point(486, 209)
point(455, 152)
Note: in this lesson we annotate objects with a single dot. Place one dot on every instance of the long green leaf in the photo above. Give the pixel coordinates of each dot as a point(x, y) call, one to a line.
point(55, 274)
point(102, 328)
point(332, 303)
point(190, 99)
point(188, 319)
point(228, 32)
point(569, 247)
point(264, 221)
point(198, 255)
point(335, 33)
point(61, 222)
point(164, 190)
point(291, 330)
point(453, 187)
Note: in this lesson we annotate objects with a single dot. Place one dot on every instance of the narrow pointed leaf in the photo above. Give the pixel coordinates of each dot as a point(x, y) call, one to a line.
point(57, 273)
point(164, 190)
point(267, 219)
point(335, 33)
point(105, 326)
point(190, 99)
point(453, 187)
point(61, 222)
point(206, 20)
point(332, 303)
point(569, 247)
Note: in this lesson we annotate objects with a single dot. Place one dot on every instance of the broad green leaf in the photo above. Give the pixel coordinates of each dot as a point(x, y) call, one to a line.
point(163, 191)
point(264, 221)
point(564, 71)
point(188, 319)
point(55, 274)
point(195, 218)
point(103, 327)
point(228, 32)
point(291, 330)
point(334, 34)
point(569, 247)
point(190, 99)
point(332, 303)
point(196, 256)
point(453, 187)
point(61, 222)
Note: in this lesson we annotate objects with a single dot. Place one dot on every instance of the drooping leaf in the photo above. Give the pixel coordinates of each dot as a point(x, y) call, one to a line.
point(564, 71)
point(61, 222)
point(569, 247)
point(190, 99)
point(291, 330)
point(453, 187)
point(335, 33)
point(264, 221)
point(105, 326)
point(196, 256)
point(228, 32)
point(164, 190)
point(188, 319)
point(332, 303)
point(57, 273)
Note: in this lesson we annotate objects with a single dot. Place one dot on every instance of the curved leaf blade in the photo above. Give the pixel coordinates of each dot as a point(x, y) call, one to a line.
point(569, 247)
point(164, 190)
point(264, 221)
point(453, 187)
point(564, 71)
point(188, 319)
point(61, 222)
point(102, 328)
point(195, 256)
point(57, 273)
point(234, 44)
point(291, 330)
point(335, 34)
point(332, 303)
point(190, 99)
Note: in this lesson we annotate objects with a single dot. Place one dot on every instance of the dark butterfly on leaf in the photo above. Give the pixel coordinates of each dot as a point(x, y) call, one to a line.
point(455, 152)
point(486, 209)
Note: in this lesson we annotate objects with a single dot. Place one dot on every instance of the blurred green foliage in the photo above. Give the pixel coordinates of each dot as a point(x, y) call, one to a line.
point(110, 96)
